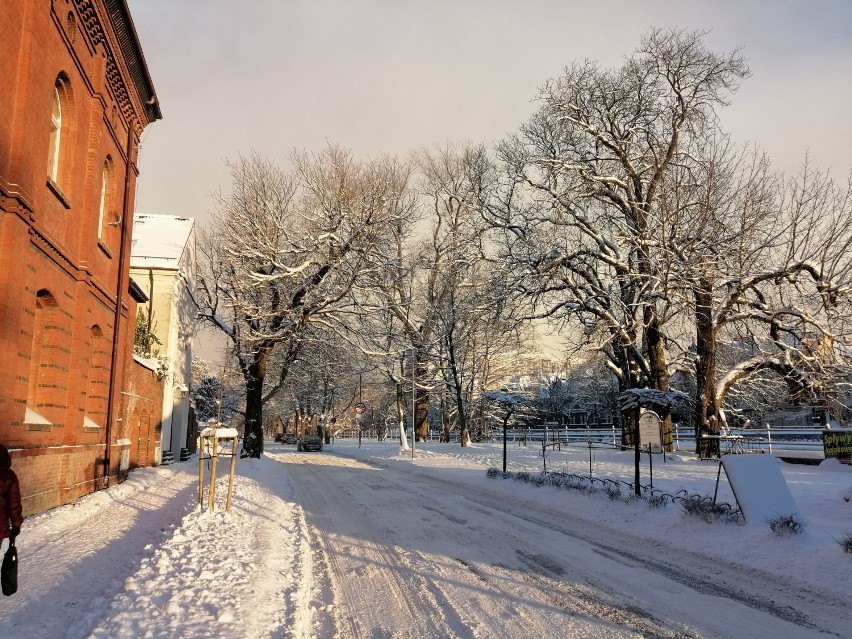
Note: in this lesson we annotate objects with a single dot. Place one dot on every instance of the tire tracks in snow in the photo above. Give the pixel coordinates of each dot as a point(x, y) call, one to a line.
point(428, 594)
point(694, 578)
point(360, 568)
point(734, 586)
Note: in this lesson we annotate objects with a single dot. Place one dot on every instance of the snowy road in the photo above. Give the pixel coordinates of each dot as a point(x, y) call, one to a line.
point(409, 555)
point(324, 546)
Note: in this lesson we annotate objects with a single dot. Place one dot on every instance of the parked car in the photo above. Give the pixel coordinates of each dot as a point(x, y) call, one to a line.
point(310, 442)
point(290, 438)
point(279, 437)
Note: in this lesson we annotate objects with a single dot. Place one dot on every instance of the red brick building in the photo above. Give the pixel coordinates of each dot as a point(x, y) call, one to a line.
point(75, 97)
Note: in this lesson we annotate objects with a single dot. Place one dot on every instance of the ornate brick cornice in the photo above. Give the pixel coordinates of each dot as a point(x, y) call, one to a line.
point(137, 100)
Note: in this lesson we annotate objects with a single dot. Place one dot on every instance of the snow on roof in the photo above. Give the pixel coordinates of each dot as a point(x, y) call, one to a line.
point(159, 241)
point(651, 398)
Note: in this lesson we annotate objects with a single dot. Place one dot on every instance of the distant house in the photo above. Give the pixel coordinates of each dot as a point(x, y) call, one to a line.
point(76, 97)
point(162, 263)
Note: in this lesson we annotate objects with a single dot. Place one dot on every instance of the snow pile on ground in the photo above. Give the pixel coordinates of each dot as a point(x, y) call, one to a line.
point(219, 573)
point(143, 559)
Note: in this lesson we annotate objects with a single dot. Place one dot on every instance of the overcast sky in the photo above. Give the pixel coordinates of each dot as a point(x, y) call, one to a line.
point(392, 76)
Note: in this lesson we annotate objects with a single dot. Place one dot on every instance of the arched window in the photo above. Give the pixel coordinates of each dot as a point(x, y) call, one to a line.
point(61, 116)
point(107, 189)
point(55, 134)
point(71, 27)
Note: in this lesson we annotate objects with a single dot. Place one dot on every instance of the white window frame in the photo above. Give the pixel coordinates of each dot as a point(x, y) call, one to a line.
point(102, 207)
point(55, 136)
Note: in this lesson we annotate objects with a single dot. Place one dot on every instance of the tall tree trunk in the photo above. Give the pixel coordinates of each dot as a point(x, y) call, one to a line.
point(253, 437)
point(456, 388)
point(421, 398)
point(706, 405)
point(629, 428)
point(629, 421)
point(658, 363)
point(446, 426)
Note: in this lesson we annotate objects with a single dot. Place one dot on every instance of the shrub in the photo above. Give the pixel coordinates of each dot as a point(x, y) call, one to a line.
point(575, 482)
point(706, 509)
point(540, 480)
point(657, 500)
point(557, 481)
point(612, 491)
point(782, 525)
point(845, 542)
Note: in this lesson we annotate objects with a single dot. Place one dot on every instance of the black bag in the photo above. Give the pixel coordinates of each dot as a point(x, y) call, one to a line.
point(9, 570)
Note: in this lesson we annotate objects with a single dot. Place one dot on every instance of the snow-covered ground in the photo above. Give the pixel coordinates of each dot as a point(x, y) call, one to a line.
point(366, 542)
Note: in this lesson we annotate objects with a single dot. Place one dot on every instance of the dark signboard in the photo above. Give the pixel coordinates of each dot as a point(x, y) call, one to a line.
point(837, 443)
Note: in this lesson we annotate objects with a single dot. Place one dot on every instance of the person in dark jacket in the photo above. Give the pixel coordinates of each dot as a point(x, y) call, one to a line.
point(10, 497)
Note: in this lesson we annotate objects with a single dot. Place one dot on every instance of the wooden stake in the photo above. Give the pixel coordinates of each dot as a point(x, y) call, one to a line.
point(212, 491)
point(231, 477)
point(201, 472)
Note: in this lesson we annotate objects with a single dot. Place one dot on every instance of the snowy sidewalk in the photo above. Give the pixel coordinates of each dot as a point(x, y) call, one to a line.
point(142, 560)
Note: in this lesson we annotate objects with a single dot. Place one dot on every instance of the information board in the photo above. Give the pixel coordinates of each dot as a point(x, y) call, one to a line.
point(649, 431)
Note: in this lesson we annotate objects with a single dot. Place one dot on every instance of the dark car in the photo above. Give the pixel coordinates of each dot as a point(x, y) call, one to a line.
point(290, 438)
point(310, 442)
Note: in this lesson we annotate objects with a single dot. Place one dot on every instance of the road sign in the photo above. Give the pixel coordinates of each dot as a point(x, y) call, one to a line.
point(360, 407)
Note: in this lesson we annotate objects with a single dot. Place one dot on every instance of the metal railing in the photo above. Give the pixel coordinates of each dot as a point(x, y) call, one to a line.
point(777, 440)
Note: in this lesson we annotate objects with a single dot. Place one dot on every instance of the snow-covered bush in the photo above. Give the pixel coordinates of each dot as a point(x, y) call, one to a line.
point(612, 490)
point(791, 524)
point(845, 542)
point(657, 500)
point(705, 508)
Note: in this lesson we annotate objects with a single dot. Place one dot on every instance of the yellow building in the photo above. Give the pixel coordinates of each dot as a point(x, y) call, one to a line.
point(162, 264)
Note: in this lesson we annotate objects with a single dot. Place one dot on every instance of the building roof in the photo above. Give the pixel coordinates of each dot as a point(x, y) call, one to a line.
point(159, 241)
point(131, 51)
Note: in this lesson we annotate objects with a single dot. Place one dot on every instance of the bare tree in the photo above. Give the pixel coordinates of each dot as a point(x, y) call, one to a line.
point(474, 325)
point(285, 250)
point(579, 207)
point(774, 274)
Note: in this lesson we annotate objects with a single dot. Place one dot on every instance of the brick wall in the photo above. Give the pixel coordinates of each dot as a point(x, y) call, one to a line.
point(142, 408)
point(62, 277)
